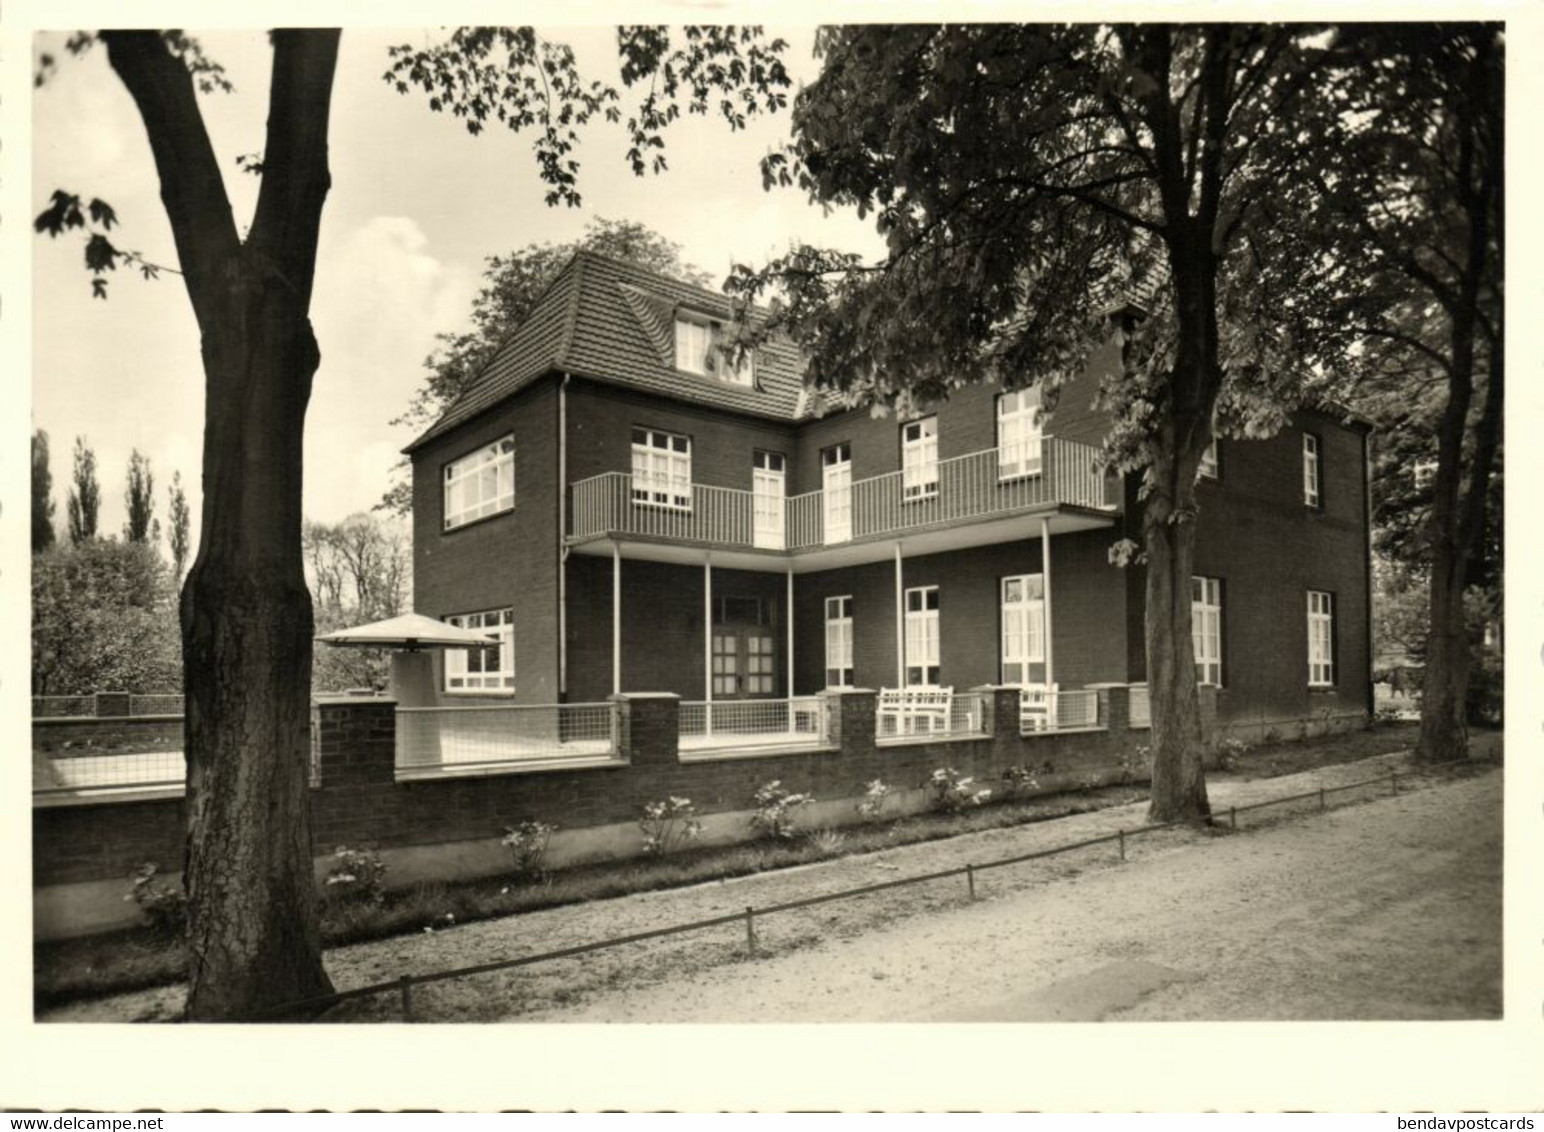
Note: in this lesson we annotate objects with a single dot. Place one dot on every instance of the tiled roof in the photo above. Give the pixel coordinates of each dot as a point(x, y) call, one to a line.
point(610, 321)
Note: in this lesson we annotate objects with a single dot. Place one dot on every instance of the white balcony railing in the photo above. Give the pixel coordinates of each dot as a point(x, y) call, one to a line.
point(977, 486)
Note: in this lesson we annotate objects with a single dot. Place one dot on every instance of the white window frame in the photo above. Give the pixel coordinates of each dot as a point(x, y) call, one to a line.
point(1019, 434)
point(469, 672)
point(919, 459)
point(839, 641)
point(922, 636)
point(1423, 472)
point(490, 473)
point(1311, 471)
point(1022, 641)
point(700, 349)
point(1321, 639)
point(1209, 469)
point(836, 497)
point(662, 469)
point(769, 500)
point(1206, 628)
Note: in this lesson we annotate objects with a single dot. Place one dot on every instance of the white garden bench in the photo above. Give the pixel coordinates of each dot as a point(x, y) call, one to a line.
point(913, 711)
point(1037, 707)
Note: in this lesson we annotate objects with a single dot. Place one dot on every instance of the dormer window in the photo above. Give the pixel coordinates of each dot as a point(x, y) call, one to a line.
point(702, 347)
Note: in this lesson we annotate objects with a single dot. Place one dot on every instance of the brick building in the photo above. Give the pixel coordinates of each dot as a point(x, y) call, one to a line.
point(629, 512)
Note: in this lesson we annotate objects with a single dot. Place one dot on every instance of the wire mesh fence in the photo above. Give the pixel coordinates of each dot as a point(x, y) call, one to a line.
point(446, 740)
point(752, 723)
point(70, 772)
point(925, 713)
point(60, 707)
point(1042, 709)
point(155, 704)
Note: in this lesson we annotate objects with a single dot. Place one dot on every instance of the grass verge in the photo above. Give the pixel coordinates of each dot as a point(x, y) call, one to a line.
point(68, 970)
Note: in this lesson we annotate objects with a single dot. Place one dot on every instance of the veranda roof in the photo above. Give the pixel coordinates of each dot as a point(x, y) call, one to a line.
point(409, 631)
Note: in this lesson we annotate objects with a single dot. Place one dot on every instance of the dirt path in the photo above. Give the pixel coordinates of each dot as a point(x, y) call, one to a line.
point(880, 957)
point(1388, 910)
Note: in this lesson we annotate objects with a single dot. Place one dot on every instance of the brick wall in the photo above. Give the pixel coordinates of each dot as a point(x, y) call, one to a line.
point(1269, 548)
point(506, 560)
point(359, 803)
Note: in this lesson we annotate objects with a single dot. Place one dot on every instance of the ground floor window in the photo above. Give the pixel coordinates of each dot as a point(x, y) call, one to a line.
point(1023, 627)
point(489, 670)
point(1206, 628)
point(839, 642)
point(1321, 639)
point(922, 636)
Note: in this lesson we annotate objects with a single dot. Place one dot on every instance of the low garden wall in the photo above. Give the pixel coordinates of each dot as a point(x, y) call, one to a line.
point(84, 848)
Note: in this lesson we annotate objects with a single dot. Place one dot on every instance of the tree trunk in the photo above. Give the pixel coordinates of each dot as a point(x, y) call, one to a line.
point(254, 938)
point(254, 935)
point(1178, 777)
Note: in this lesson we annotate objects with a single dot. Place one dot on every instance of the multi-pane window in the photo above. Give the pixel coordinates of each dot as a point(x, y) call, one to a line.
point(1310, 469)
point(919, 458)
point(839, 642)
point(481, 483)
point(662, 468)
point(768, 480)
point(1023, 621)
point(1018, 433)
point(489, 670)
point(1423, 472)
point(1209, 461)
point(922, 636)
point(700, 348)
point(760, 666)
point(1321, 639)
point(836, 491)
point(1206, 628)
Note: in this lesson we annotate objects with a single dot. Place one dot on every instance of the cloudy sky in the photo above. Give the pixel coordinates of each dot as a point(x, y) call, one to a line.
point(416, 205)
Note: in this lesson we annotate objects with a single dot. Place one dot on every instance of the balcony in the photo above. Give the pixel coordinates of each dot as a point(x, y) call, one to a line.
point(840, 526)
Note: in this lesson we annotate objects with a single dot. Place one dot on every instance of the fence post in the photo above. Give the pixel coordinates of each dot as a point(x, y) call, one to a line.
point(1233, 817)
point(970, 879)
point(1121, 837)
point(1321, 799)
point(405, 987)
point(750, 930)
point(1394, 780)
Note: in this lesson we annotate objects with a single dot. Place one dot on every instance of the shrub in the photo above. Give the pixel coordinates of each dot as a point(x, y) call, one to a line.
point(1386, 716)
point(164, 906)
point(875, 795)
point(954, 792)
point(667, 825)
point(1019, 780)
point(774, 809)
point(827, 842)
point(357, 875)
point(527, 844)
point(1229, 751)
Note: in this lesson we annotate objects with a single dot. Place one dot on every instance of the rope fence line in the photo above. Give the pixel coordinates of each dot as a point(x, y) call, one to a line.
point(404, 984)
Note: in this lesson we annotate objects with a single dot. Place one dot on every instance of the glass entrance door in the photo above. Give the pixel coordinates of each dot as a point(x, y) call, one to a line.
point(744, 662)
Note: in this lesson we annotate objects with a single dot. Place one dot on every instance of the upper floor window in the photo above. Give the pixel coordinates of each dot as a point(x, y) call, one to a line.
point(1310, 469)
point(489, 670)
point(700, 347)
point(1423, 472)
point(662, 468)
point(1321, 639)
point(922, 636)
point(481, 483)
point(839, 642)
point(1209, 465)
point(919, 458)
point(1018, 433)
point(1206, 628)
